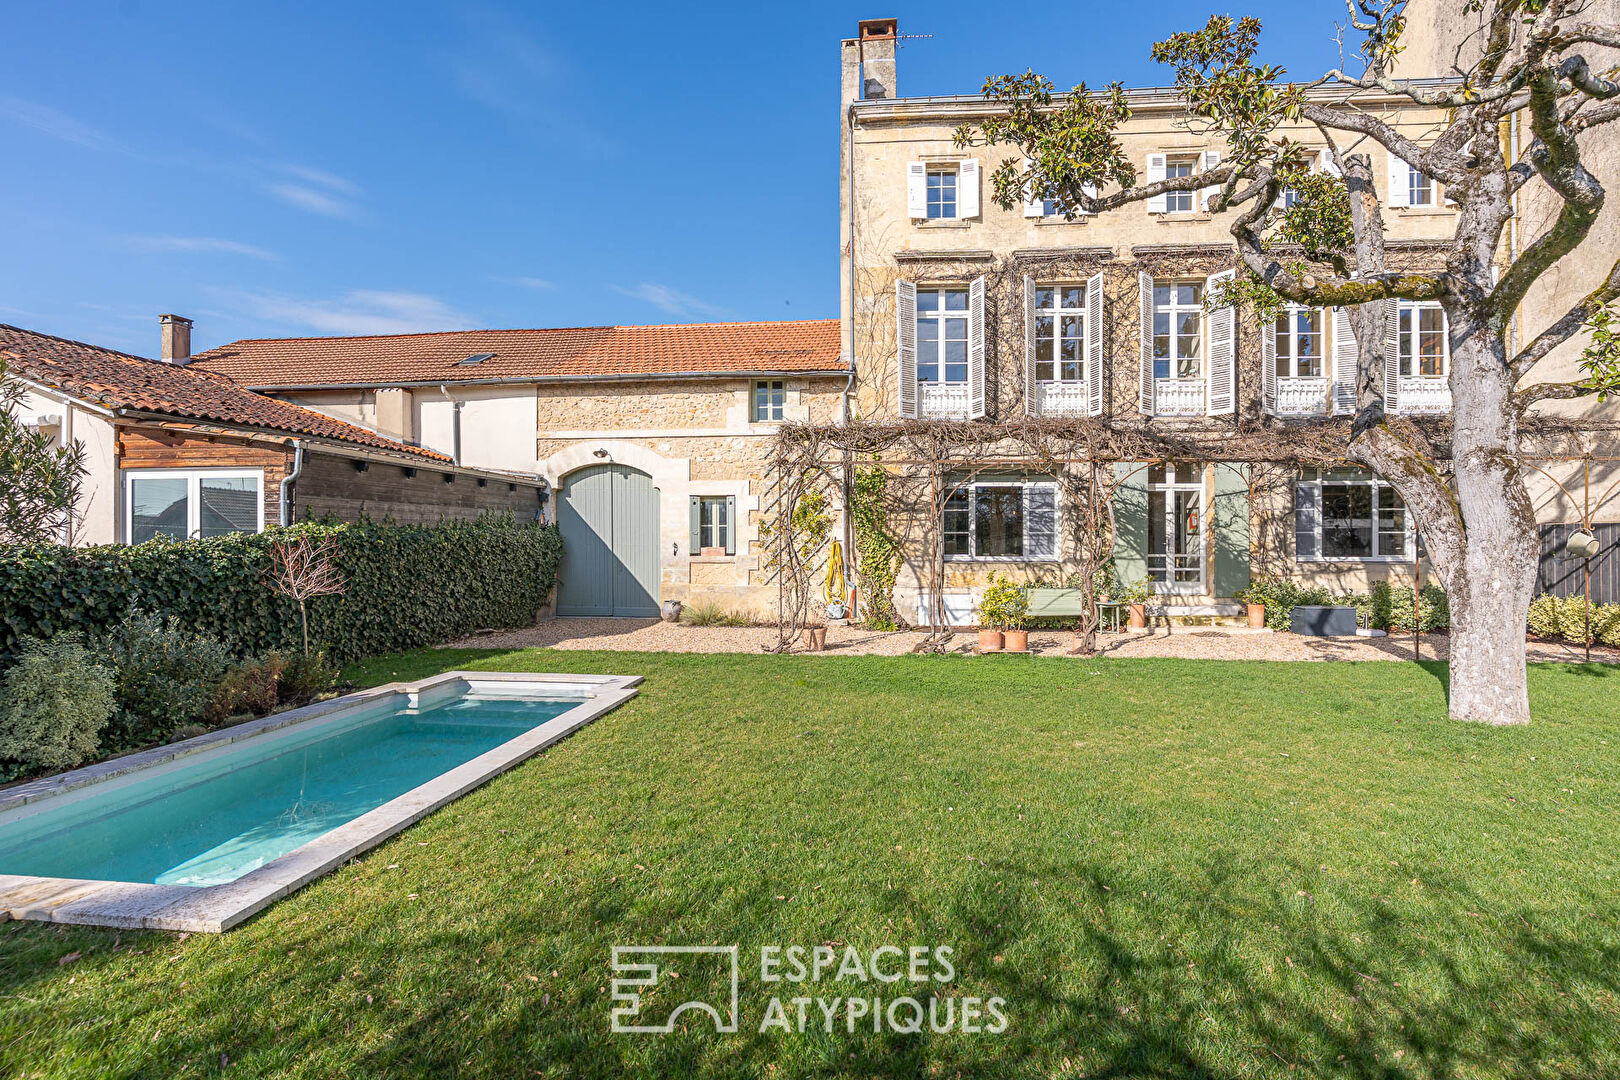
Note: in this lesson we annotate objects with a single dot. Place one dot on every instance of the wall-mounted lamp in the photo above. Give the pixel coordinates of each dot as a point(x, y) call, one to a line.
point(599, 453)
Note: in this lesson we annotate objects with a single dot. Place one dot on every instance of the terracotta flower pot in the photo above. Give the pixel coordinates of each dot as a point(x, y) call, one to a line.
point(1138, 619)
point(989, 641)
point(1257, 616)
point(818, 638)
point(1015, 640)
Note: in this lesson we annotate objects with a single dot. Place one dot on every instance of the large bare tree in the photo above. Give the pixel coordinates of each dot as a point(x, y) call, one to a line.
point(1327, 248)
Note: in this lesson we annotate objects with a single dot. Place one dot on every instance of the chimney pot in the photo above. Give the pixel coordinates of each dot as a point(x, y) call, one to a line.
point(176, 339)
point(878, 39)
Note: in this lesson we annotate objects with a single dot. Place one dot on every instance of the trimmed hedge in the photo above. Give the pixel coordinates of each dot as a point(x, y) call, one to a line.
point(408, 586)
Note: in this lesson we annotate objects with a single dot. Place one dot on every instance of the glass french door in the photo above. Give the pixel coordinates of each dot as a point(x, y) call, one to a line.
point(1175, 556)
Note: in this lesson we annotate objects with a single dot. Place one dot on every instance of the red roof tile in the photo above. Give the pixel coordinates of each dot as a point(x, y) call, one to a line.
point(118, 380)
point(811, 345)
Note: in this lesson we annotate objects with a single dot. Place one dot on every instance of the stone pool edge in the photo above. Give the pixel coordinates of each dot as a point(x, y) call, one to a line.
point(216, 908)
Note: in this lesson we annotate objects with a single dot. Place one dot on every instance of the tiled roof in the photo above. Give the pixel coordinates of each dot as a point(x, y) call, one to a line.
point(118, 380)
point(810, 345)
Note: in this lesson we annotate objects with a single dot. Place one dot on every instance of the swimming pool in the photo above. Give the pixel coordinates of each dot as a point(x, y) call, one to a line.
point(201, 834)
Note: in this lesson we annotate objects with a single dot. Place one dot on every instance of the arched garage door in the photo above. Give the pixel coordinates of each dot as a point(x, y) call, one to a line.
point(609, 519)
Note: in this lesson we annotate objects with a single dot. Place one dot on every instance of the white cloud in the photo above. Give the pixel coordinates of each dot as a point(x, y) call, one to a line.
point(201, 245)
point(314, 190)
point(316, 202)
point(56, 124)
point(669, 299)
point(525, 282)
point(361, 311)
point(320, 178)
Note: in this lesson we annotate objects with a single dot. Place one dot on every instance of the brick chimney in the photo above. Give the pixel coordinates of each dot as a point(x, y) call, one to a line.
point(176, 340)
point(878, 38)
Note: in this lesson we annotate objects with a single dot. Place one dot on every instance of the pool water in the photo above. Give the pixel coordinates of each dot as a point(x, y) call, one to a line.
point(209, 821)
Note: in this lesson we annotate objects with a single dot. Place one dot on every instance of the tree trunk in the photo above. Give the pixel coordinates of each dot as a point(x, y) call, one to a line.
point(1490, 581)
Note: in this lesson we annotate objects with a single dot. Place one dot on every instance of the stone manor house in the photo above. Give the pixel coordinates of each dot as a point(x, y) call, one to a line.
point(654, 438)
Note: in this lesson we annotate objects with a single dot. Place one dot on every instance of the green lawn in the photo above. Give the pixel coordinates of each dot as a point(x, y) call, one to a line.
point(1164, 868)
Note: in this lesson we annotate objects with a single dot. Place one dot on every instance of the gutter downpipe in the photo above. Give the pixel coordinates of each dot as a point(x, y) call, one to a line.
point(288, 481)
point(455, 426)
point(851, 598)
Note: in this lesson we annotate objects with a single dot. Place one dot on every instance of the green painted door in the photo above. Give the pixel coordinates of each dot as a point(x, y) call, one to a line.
point(609, 517)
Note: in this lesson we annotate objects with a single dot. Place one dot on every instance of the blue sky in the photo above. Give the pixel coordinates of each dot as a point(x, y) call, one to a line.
point(321, 168)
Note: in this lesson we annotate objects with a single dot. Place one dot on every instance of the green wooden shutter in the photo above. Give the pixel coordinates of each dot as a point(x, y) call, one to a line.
point(731, 524)
point(1130, 522)
point(695, 545)
point(1230, 525)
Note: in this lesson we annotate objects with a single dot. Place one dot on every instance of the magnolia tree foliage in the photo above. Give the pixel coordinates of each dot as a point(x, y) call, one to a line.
point(39, 483)
point(1327, 248)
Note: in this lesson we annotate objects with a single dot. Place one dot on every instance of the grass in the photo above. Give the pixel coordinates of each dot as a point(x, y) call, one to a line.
point(1165, 868)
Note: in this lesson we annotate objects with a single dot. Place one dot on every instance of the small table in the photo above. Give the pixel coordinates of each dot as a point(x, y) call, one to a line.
point(1110, 611)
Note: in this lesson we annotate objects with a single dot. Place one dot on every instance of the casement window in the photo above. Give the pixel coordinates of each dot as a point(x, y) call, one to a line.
point(1002, 520)
point(941, 350)
point(1297, 336)
point(1423, 348)
point(1296, 378)
point(1060, 337)
point(1052, 208)
point(942, 191)
point(1063, 348)
point(1175, 527)
point(1170, 166)
point(1350, 515)
point(714, 524)
point(1189, 362)
point(185, 503)
point(770, 396)
point(1321, 162)
point(1179, 202)
point(1409, 187)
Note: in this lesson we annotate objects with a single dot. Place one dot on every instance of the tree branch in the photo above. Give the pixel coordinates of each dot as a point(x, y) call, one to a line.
point(1568, 325)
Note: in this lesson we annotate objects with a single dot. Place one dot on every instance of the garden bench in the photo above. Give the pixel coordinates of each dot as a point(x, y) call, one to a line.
point(1067, 604)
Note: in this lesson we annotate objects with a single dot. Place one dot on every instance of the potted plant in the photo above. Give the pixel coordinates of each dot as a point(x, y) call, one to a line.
point(1003, 609)
point(1253, 596)
point(1135, 596)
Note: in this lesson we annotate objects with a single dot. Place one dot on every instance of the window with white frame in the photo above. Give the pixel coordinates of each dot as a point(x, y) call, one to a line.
point(770, 396)
point(942, 181)
point(1060, 312)
point(714, 524)
point(1178, 330)
point(1175, 554)
point(1348, 514)
point(1179, 202)
point(1419, 188)
point(184, 503)
point(1002, 520)
point(942, 336)
point(1422, 345)
point(1300, 342)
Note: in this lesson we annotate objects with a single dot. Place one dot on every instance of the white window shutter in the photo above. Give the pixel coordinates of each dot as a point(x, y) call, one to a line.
point(1392, 355)
point(1210, 161)
point(1345, 356)
point(917, 189)
point(1327, 163)
point(1268, 364)
point(1090, 192)
point(905, 327)
point(1399, 174)
point(1041, 521)
point(1033, 206)
point(1145, 385)
point(1155, 172)
point(976, 394)
point(1030, 399)
point(1094, 345)
point(1221, 396)
point(967, 189)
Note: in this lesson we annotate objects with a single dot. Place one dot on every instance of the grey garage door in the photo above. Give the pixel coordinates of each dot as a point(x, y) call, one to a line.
point(609, 519)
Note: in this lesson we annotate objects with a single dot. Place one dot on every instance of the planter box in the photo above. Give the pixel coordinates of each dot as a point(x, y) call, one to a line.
point(1323, 621)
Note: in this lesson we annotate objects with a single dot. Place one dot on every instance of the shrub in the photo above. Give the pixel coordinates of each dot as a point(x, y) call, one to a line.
point(708, 613)
point(53, 704)
point(1004, 604)
point(1544, 613)
point(1436, 610)
point(249, 687)
point(1281, 597)
point(408, 586)
point(164, 675)
point(307, 677)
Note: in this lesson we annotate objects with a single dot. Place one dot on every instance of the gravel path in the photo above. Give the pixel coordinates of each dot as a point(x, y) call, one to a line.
point(1193, 642)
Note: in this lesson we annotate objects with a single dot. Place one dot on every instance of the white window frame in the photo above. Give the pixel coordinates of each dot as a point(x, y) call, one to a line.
point(713, 530)
point(775, 401)
point(970, 493)
point(954, 171)
point(1176, 308)
point(1411, 308)
point(193, 500)
point(939, 316)
point(1057, 312)
point(1173, 199)
point(1417, 182)
point(1319, 479)
point(1169, 487)
point(1292, 313)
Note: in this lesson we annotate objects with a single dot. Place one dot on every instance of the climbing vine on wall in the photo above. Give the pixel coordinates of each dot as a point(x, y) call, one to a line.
point(877, 552)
